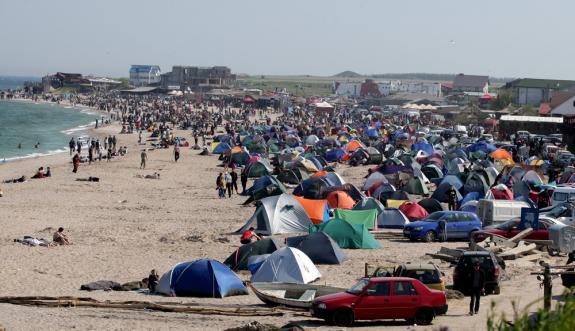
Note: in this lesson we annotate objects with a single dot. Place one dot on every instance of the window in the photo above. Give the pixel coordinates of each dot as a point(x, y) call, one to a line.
point(403, 288)
point(560, 196)
point(379, 289)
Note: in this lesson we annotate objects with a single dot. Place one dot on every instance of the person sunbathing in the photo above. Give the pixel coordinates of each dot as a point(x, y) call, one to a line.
point(39, 173)
point(61, 238)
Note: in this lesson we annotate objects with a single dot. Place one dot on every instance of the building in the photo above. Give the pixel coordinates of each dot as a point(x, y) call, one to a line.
point(369, 88)
point(63, 79)
point(103, 83)
point(141, 75)
point(562, 103)
point(470, 83)
point(531, 91)
point(433, 89)
point(198, 79)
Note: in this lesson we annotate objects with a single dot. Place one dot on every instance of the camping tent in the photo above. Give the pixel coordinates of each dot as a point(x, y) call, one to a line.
point(238, 260)
point(258, 168)
point(278, 214)
point(430, 205)
point(392, 218)
point(416, 186)
point(316, 210)
point(289, 265)
point(202, 278)
point(413, 211)
point(369, 203)
point(340, 199)
point(366, 217)
point(319, 247)
point(347, 235)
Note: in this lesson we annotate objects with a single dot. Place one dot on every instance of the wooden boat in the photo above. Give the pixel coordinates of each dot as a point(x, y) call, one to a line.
point(291, 295)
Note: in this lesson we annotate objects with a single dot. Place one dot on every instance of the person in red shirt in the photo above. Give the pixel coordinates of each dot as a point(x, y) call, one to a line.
point(248, 235)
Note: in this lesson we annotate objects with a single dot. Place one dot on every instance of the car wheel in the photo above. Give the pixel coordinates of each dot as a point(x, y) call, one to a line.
point(343, 317)
point(429, 236)
point(424, 316)
point(412, 239)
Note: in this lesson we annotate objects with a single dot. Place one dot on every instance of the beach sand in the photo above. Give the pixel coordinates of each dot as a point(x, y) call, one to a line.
point(123, 226)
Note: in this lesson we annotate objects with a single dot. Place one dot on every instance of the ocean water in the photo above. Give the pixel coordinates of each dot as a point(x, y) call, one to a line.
point(14, 83)
point(27, 123)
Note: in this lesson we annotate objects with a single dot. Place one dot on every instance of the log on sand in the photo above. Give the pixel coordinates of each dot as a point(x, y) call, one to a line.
point(42, 301)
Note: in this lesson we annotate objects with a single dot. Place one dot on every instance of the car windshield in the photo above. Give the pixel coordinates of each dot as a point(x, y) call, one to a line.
point(433, 217)
point(507, 225)
point(358, 287)
point(424, 276)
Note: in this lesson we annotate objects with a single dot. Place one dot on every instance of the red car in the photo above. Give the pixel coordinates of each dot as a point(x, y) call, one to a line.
point(511, 228)
point(382, 298)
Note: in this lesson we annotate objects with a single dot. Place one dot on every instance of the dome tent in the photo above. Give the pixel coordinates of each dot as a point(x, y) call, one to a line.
point(347, 235)
point(238, 260)
point(319, 247)
point(201, 278)
point(289, 265)
point(278, 214)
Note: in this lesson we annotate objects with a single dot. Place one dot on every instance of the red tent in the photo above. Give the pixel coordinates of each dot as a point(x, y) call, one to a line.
point(413, 211)
point(340, 199)
point(502, 192)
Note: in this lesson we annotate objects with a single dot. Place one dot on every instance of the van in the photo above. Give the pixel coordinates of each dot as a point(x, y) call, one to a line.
point(498, 211)
point(563, 193)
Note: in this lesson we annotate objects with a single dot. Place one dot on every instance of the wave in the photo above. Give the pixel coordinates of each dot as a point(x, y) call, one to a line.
point(84, 127)
point(34, 155)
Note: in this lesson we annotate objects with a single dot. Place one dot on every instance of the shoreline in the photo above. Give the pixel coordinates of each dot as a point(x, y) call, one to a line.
point(83, 129)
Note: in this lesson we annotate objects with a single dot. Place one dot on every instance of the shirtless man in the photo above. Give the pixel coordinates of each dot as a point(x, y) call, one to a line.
point(61, 238)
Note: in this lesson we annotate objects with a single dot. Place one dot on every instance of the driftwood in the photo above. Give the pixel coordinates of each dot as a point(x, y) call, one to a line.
point(42, 301)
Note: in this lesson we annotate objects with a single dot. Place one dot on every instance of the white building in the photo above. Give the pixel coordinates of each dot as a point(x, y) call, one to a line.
point(141, 75)
point(433, 89)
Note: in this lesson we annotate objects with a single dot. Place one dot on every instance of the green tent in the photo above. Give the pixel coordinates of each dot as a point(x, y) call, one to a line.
point(347, 235)
point(366, 217)
point(416, 186)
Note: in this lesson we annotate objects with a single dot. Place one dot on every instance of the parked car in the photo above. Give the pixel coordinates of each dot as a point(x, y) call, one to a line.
point(459, 225)
point(489, 265)
point(426, 272)
point(379, 299)
point(512, 227)
point(563, 193)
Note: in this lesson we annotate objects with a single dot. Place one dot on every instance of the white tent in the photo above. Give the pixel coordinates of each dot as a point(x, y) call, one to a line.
point(278, 214)
point(289, 265)
point(375, 177)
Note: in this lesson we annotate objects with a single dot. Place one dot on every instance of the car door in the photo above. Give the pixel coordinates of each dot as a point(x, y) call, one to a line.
point(404, 299)
point(375, 302)
point(453, 229)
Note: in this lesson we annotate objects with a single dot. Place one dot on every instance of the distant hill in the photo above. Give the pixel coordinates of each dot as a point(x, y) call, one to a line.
point(348, 74)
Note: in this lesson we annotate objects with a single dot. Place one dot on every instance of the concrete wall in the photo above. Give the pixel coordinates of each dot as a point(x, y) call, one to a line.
point(529, 96)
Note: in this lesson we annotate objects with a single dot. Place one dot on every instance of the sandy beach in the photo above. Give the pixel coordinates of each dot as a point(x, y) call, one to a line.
point(124, 226)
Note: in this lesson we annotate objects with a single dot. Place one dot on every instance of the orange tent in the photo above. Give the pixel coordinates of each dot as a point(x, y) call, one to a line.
point(353, 145)
point(316, 210)
point(340, 199)
point(501, 154)
point(321, 173)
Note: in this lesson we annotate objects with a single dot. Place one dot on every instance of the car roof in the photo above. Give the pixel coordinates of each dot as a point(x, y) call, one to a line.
point(381, 279)
point(419, 265)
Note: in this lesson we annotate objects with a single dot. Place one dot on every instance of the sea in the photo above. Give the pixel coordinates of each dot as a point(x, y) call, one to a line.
point(16, 82)
point(29, 129)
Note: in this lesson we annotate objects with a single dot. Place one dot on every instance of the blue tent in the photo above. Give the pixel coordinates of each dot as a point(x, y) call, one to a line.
point(422, 146)
point(470, 196)
point(201, 278)
point(440, 193)
point(372, 133)
point(259, 184)
point(481, 146)
point(334, 155)
point(222, 147)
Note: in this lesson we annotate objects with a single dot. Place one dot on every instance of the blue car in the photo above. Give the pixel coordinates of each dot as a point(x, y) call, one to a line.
point(459, 225)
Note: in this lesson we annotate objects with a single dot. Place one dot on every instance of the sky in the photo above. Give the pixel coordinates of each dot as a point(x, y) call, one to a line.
point(499, 38)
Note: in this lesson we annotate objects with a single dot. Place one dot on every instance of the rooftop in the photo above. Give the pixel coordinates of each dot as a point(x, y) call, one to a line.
point(463, 80)
point(541, 83)
point(531, 119)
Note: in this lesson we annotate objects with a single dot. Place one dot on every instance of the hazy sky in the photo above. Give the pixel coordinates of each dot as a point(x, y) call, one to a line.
point(503, 38)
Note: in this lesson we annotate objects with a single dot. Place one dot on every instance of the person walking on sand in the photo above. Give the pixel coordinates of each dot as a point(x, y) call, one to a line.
point(144, 158)
point(244, 179)
point(451, 198)
point(176, 152)
point(228, 179)
point(234, 175)
point(220, 186)
point(72, 145)
point(76, 162)
point(476, 284)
